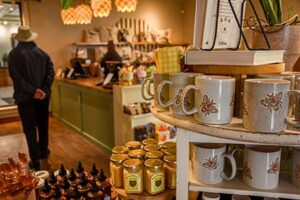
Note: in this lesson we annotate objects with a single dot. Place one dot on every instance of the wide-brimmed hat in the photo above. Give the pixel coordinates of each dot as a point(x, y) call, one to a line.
point(25, 34)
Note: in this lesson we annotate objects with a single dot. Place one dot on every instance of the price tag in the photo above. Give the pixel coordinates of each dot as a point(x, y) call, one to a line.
point(108, 78)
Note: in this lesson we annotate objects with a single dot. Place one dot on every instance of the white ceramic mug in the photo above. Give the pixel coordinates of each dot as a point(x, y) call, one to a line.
point(266, 103)
point(210, 196)
point(296, 167)
point(146, 87)
point(176, 84)
point(214, 99)
point(208, 163)
point(262, 166)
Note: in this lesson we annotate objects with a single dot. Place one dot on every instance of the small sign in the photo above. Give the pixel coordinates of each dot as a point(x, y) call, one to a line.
point(108, 78)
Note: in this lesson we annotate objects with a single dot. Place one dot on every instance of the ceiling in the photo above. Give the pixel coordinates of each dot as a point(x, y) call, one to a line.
point(9, 12)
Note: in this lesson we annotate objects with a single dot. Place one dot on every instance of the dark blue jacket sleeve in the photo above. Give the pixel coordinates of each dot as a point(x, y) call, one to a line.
point(18, 80)
point(46, 87)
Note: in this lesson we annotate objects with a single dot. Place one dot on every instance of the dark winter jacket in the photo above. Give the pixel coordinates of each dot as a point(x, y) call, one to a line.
point(30, 68)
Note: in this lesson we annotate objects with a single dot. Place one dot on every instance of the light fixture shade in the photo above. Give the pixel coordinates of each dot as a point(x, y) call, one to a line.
point(68, 16)
point(126, 5)
point(101, 8)
point(84, 14)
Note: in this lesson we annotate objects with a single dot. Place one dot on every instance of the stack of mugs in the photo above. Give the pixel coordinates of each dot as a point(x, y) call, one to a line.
point(268, 106)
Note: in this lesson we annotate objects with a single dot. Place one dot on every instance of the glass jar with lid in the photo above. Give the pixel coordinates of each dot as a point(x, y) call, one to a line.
point(154, 155)
point(154, 176)
point(168, 145)
point(133, 145)
point(116, 169)
point(133, 176)
point(170, 169)
point(137, 154)
point(120, 150)
point(152, 147)
point(170, 151)
point(149, 141)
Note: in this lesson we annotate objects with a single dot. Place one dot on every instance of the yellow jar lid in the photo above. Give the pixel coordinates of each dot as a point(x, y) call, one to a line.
point(170, 151)
point(170, 158)
point(120, 150)
point(154, 163)
point(154, 155)
point(152, 147)
point(137, 153)
point(133, 145)
point(132, 163)
point(149, 141)
point(168, 145)
point(119, 158)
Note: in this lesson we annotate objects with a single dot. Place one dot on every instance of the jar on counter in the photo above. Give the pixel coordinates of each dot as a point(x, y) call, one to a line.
point(154, 155)
point(154, 176)
point(116, 169)
point(133, 176)
point(137, 154)
point(120, 150)
point(133, 145)
point(149, 141)
point(170, 151)
point(152, 147)
point(170, 169)
point(168, 145)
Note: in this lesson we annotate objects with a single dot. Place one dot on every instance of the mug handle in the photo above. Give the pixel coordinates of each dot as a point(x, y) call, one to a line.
point(185, 91)
point(296, 124)
point(144, 82)
point(159, 91)
point(233, 152)
point(233, 166)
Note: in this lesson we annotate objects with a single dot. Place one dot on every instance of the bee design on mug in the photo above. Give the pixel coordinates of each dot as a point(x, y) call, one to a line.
point(272, 101)
point(208, 106)
point(211, 163)
point(187, 100)
point(274, 167)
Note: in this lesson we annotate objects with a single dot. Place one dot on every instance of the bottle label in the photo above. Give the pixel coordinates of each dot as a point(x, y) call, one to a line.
point(158, 183)
point(173, 183)
point(133, 183)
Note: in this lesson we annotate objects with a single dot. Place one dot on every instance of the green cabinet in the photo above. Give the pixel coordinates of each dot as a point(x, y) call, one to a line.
point(87, 110)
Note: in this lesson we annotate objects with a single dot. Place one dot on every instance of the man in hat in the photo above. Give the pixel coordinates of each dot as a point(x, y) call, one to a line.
point(32, 72)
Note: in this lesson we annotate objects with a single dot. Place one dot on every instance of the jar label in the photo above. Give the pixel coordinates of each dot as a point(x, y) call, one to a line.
point(173, 183)
point(133, 183)
point(158, 183)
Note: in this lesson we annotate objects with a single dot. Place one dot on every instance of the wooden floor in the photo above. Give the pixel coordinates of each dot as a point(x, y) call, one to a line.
point(67, 146)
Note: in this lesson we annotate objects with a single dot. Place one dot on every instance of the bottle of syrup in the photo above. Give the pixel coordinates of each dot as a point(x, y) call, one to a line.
point(105, 186)
point(45, 192)
point(93, 174)
point(52, 179)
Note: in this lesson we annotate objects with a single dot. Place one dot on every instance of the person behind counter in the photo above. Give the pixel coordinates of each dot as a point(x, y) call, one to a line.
point(111, 55)
point(31, 70)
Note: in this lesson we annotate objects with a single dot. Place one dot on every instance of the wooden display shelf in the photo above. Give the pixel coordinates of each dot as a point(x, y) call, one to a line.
point(93, 44)
point(285, 188)
point(240, 70)
point(233, 131)
point(167, 195)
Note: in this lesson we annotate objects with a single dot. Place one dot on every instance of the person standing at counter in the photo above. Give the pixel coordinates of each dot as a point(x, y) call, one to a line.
point(111, 55)
point(31, 70)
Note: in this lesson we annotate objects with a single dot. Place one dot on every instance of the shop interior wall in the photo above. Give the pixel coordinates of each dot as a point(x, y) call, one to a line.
point(189, 7)
point(56, 38)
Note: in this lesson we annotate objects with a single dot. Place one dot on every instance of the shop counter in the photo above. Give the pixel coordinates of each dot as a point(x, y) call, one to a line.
point(87, 108)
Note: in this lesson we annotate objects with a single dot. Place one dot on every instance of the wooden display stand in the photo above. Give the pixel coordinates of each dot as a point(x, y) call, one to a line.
point(167, 195)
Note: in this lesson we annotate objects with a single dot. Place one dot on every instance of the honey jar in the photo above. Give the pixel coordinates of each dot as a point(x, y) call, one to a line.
point(133, 176)
point(152, 147)
point(170, 151)
point(154, 176)
point(168, 145)
point(149, 141)
point(120, 150)
point(137, 154)
point(133, 145)
point(116, 169)
point(170, 169)
point(154, 155)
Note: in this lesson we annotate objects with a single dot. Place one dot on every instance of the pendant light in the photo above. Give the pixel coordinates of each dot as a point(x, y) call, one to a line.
point(84, 14)
point(126, 5)
point(101, 8)
point(68, 16)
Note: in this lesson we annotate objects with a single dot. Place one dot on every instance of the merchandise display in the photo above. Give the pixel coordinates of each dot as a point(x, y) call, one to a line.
point(140, 171)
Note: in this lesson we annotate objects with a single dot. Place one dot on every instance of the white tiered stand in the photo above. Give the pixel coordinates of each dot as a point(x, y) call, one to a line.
point(189, 131)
